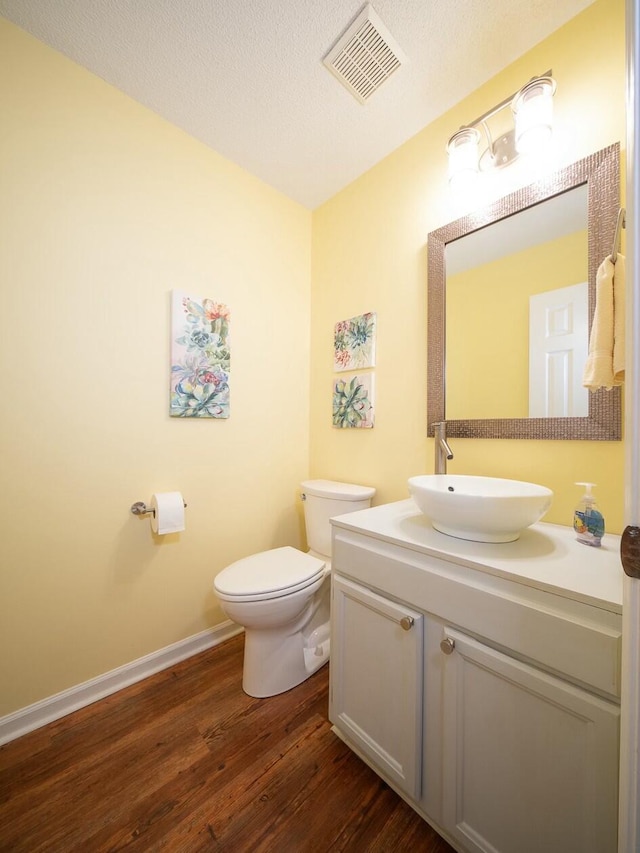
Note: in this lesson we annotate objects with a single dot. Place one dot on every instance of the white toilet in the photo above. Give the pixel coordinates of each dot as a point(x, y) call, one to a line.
point(282, 597)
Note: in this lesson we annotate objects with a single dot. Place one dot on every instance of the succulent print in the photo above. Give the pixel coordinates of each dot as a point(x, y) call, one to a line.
point(200, 358)
point(354, 342)
point(352, 402)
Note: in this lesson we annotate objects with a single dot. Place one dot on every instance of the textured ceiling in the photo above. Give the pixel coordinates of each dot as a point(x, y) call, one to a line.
point(247, 79)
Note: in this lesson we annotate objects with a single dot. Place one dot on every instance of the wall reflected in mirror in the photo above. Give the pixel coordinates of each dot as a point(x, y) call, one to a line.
point(517, 298)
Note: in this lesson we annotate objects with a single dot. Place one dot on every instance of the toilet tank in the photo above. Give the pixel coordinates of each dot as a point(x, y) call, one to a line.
point(324, 499)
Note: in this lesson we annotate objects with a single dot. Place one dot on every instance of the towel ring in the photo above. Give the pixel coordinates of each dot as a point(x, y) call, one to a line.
point(620, 224)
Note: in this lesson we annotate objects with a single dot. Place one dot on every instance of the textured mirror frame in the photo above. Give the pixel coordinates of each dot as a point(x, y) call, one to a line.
point(601, 173)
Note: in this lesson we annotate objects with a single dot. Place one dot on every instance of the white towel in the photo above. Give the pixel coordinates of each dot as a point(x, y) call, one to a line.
point(605, 362)
point(618, 319)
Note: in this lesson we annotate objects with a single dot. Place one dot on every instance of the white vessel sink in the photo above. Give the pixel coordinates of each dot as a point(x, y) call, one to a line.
point(483, 509)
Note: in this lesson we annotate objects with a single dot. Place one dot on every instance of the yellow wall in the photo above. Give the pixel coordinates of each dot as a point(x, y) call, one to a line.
point(369, 254)
point(496, 295)
point(104, 208)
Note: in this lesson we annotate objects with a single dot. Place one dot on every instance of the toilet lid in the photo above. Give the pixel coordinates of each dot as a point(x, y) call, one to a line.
point(276, 572)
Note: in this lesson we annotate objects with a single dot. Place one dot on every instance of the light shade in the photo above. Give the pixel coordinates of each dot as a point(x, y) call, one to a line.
point(533, 113)
point(463, 156)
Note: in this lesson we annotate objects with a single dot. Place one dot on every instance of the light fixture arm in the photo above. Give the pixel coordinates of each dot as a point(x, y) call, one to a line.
point(487, 133)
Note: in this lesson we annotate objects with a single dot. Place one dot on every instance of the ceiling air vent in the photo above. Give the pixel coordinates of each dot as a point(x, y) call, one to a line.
point(365, 56)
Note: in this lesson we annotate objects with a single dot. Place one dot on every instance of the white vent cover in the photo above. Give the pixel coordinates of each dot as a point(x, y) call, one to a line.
point(365, 56)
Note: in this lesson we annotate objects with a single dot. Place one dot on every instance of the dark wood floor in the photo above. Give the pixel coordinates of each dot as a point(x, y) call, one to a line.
point(185, 761)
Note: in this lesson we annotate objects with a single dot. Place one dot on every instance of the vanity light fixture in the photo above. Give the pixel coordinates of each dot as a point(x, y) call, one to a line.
point(532, 114)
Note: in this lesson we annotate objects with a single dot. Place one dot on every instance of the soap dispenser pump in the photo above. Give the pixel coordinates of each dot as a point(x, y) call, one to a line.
point(588, 522)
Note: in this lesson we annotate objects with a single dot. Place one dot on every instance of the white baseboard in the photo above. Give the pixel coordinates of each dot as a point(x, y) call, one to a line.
point(40, 713)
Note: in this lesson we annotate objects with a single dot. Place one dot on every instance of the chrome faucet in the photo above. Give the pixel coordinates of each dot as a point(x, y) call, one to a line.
point(442, 449)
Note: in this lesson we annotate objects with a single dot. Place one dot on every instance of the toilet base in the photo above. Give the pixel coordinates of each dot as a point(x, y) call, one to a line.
point(275, 662)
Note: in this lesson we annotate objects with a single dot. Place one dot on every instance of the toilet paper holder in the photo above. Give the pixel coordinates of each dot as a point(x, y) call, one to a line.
point(140, 508)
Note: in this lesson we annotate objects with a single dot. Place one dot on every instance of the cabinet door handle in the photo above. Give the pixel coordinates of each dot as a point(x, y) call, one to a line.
point(407, 622)
point(447, 645)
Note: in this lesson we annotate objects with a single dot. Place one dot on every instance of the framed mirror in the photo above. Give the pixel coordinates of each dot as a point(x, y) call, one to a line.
point(495, 277)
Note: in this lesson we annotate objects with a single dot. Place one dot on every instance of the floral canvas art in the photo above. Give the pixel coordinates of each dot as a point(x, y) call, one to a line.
point(355, 343)
point(353, 402)
point(199, 357)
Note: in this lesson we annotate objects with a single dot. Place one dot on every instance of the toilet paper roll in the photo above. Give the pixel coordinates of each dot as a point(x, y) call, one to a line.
point(169, 512)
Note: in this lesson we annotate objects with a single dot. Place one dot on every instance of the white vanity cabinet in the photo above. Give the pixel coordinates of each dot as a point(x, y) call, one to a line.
point(481, 681)
point(377, 671)
point(530, 761)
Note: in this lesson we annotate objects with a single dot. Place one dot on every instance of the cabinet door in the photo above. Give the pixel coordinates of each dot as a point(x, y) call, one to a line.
point(530, 762)
point(376, 681)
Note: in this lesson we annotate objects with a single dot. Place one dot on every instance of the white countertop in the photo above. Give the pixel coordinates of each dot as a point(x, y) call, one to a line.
point(546, 556)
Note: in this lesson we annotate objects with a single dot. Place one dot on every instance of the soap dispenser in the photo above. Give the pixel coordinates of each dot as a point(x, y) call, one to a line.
point(588, 522)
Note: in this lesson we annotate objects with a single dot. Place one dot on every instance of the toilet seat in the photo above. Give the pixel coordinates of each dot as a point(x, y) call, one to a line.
point(270, 574)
